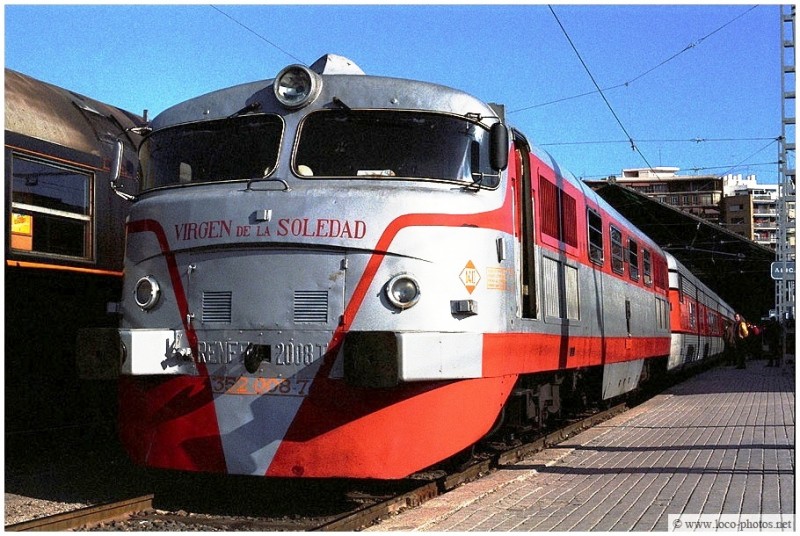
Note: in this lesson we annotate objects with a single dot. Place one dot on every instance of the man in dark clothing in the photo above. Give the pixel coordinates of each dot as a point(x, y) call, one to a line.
point(729, 338)
point(772, 336)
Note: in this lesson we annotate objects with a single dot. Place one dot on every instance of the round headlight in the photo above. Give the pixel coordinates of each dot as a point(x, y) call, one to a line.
point(296, 86)
point(402, 291)
point(146, 292)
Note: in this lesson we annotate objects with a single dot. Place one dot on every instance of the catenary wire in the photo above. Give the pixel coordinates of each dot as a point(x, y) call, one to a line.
point(641, 75)
point(258, 35)
point(602, 94)
point(694, 169)
point(598, 90)
point(692, 140)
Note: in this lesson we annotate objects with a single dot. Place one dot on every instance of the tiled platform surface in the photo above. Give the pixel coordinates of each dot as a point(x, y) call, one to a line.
point(719, 443)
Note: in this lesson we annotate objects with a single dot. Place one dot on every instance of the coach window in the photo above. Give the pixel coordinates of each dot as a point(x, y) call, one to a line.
point(595, 231)
point(50, 209)
point(617, 258)
point(647, 267)
point(633, 259)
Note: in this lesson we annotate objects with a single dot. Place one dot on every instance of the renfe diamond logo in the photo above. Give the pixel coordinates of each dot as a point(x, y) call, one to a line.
point(470, 277)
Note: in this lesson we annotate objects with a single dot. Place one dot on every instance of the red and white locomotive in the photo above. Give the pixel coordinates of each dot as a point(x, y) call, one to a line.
point(331, 274)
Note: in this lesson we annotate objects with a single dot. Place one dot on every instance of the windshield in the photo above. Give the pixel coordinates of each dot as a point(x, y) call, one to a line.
point(240, 148)
point(386, 144)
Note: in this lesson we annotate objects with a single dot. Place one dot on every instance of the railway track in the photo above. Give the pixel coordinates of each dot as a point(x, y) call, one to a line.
point(91, 515)
point(376, 503)
point(358, 520)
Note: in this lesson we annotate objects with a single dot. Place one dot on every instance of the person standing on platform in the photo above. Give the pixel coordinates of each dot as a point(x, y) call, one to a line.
point(756, 341)
point(729, 338)
point(772, 336)
point(742, 333)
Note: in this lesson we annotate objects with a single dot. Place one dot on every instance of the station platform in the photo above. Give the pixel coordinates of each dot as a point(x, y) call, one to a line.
point(718, 444)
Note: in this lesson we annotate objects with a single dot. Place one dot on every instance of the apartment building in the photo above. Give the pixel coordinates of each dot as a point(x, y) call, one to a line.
point(700, 195)
point(753, 213)
point(733, 201)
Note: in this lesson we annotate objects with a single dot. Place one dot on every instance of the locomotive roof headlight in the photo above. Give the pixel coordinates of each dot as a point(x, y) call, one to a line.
point(146, 292)
point(297, 86)
point(403, 291)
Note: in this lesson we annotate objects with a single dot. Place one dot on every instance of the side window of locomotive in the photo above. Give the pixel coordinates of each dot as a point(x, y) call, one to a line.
point(595, 231)
point(370, 144)
point(633, 259)
point(617, 250)
point(50, 209)
point(647, 267)
point(241, 148)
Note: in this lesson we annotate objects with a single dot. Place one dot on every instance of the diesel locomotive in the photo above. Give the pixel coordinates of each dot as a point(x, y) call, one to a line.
point(331, 274)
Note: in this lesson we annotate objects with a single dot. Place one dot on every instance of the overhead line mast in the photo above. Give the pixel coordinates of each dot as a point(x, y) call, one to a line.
point(785, 286)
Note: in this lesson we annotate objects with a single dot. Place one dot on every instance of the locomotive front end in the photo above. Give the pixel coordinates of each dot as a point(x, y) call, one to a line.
point(310, 268)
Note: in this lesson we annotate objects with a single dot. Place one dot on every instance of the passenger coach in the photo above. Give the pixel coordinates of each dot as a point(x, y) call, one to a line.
point(64, 246)
point(699, 318)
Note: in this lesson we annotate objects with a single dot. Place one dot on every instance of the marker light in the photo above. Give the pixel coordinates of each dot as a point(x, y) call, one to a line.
point(297, 86)
point(403, 291)
point(146, 292)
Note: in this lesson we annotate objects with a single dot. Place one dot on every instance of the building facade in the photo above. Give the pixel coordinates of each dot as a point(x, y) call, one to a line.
point(699, 195)
point(738, 203)
point(753, 213)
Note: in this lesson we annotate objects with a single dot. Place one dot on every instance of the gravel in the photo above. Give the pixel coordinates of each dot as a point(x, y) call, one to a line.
point(51, 475)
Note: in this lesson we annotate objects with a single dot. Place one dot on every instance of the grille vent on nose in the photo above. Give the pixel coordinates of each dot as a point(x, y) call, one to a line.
point(311, 306)
point(217, 306)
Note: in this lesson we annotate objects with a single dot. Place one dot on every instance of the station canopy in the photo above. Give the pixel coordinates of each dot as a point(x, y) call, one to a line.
point(734, 267)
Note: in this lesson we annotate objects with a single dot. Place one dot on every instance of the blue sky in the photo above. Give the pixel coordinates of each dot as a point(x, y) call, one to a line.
point(725, 85)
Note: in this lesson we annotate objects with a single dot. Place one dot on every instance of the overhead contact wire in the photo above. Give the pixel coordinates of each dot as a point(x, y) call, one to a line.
point(259, 35)
point(645, 73)
point(599, 90)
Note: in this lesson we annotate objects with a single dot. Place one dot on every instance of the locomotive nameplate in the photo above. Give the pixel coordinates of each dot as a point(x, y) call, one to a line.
point(286, 227)
point(281, 354)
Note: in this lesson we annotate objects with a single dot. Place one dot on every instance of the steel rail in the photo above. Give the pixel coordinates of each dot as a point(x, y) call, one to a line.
point(84, 516)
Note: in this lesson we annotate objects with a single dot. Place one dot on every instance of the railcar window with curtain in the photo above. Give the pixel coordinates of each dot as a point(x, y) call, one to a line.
point(647, 267)
point(595, 223)
point(633, 259)
point(50, 209)
point(617, 249)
